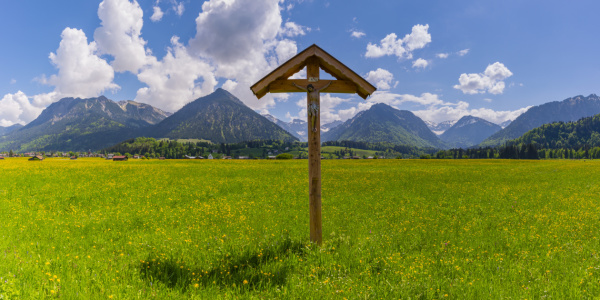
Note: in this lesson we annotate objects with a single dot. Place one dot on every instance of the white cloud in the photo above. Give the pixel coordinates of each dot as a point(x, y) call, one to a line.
point(13, 81)
point(291, 29)
point(285, 50)
point(434, 109)
point(252, 46)
point(178, 8)
point(442, 55)
point(420, 63)
point(392, 99)
point(230, 85)
point(402, 48)
point(381, 78)
point(488, 100)
point(119, 34)
point(491, 80)
point(463, 52)
point(43, 100)
point(175, 80)
point(300, 75)
point(357, 34)
point(157, 15)
point(81, 73)
point(445, 113)
point(16, 108)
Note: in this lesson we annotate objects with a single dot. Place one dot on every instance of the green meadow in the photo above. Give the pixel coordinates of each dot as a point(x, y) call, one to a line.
point(418, 229)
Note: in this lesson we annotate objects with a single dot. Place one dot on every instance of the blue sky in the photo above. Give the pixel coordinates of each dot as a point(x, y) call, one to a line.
point(439, 59)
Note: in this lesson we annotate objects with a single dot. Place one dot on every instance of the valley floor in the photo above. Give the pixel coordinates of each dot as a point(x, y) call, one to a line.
point(429, 229)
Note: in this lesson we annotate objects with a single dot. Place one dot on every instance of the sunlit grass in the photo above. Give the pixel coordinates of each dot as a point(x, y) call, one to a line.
point(429, 229)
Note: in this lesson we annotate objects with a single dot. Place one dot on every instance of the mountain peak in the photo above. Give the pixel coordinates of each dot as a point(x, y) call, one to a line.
point(383, 123)
point(219, 117)
point(570, 109)
point(469, 131)
point(76, 124)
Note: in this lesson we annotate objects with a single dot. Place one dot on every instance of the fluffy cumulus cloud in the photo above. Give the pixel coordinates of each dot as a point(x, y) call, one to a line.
point(430, 108)
point(461, 109)
point(81, 72)
point(291, 29)
point(401, 48)
point(491, 80)
point(285, 50)
point(176, 79)
point(442, 55)
point(119, 34)
point(253, 45)
point(393, 99)
point(381, 78)
point(157, 15)
point(357, 34)
point(17, 109)
point(420, 63)
point(257, 41)
point(435, 109)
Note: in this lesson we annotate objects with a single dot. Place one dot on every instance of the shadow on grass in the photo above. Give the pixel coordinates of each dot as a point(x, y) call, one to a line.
point(258, 269)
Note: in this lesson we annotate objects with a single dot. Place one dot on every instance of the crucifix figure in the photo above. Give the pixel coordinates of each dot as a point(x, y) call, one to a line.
point(313, 59)
point(313, 106)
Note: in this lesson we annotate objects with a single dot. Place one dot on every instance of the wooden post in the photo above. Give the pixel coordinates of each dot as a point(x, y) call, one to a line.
point(346, 81)
point(314, 158)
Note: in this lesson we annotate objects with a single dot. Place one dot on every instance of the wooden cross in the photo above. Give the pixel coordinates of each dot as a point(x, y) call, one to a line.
point(347, 81)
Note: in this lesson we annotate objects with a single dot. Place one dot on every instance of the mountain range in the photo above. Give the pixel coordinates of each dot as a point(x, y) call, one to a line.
point(383, 123)
point(96, 123)
point(9, 129)
point(571, 109)
point(296, 127)
point(469, 131)
point(584, 133)
point(439, 128)
point(82, 124)
point(220, 118)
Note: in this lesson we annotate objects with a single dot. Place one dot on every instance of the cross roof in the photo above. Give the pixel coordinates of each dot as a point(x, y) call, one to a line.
point(326, 62)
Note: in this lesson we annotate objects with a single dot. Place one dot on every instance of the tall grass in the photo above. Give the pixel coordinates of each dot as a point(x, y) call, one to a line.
point(431, 229)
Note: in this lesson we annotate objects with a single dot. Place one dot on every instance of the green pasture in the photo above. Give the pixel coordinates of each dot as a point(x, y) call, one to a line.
point(206, 229)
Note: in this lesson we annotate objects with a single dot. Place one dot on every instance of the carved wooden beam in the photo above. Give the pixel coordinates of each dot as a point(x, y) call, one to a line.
point(337, 86)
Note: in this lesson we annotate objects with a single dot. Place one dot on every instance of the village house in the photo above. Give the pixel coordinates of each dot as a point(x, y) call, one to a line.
point(120, 158)
point(210, 156)
point(161, 158)
point(37, 157)
point(73, 157)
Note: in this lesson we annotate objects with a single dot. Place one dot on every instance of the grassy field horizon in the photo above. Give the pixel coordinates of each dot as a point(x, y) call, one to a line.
point(428, 229)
